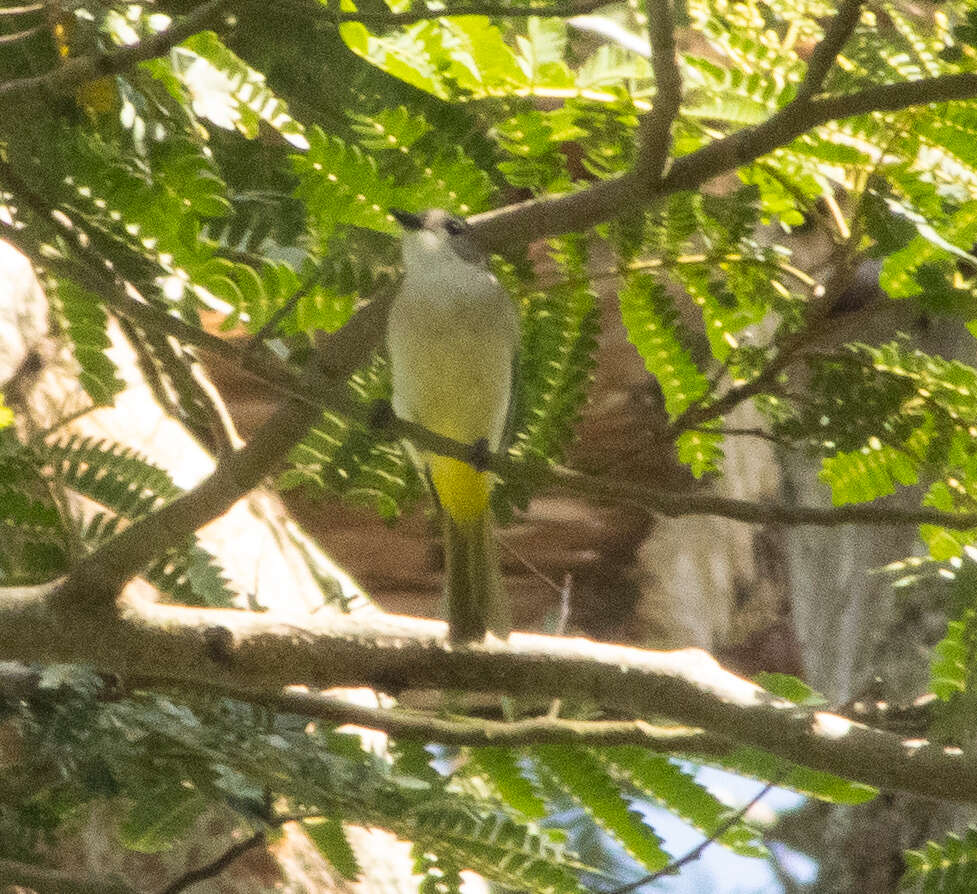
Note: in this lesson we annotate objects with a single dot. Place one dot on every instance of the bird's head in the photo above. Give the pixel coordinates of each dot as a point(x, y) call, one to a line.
point(433, 232)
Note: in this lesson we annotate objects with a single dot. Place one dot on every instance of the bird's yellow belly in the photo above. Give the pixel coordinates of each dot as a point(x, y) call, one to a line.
point(452, 368)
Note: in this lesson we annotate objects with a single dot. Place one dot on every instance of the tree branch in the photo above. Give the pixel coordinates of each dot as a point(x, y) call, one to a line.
point(655, 134)
point(425, 726)
point(18, 36)
point(74, 72)
point(97, 578)
point(21, 10)
point(249, 650)
point(830, 46)
point(526, 221)
point(672, 503)
point(217, 866)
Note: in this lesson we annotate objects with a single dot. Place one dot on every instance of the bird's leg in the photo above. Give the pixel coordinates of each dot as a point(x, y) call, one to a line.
point(480, 456)
point(381, 415)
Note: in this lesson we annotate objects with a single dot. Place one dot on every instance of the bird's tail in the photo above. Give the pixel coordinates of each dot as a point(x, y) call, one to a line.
point(473, 580)
point(473, 577)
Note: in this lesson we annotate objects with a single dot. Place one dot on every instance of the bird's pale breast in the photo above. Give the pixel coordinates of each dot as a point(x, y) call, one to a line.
point(452, 358)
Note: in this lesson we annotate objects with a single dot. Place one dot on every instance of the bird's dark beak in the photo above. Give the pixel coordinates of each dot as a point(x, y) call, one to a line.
point(408, 220)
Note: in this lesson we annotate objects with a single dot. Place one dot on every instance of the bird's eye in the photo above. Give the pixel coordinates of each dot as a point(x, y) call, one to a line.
point(454, 226)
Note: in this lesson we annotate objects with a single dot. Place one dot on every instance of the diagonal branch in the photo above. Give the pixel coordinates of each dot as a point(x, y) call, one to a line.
point(217, 866)
point(526, 221)
point(202, 647)
point(320, 394)
point(825, 53)
point(97, 579)
point(655, 133)
point(74, 72)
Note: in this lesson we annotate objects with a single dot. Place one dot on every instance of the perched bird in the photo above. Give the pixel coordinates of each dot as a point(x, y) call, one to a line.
point(452, 338)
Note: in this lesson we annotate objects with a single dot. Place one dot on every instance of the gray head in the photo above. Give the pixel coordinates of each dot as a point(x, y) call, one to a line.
point(439, 227)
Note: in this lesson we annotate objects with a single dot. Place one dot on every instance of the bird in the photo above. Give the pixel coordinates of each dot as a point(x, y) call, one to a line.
point(452, 343)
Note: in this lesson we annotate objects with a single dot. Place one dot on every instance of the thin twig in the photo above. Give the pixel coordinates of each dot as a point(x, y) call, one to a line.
point(22, 35)
point(533, 569)
point(827, 50)
point(21, 10)
point(271, 325)
point(696, 852)
point(215, 867)
point(426, 726)
point(76, 71)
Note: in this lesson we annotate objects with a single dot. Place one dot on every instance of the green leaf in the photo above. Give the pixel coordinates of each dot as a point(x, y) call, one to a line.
point(163, 814)
point(653, 328)
point(867, 474)
point(482, 62)
point(790, 688)
point(949, 867)
point(899, 276)
point(340, 185)
point(438, 874)
point(501, 767)
point(815, 783)
point(949, 668)
point(229, 92)
point(328, 836)
point(701, 451)
point(558, 352)
point(85, 322)
point(496, 846)
point(346, 459)
point(588, 783)
point(657, 777)
point(191, 576)
point(115, 476)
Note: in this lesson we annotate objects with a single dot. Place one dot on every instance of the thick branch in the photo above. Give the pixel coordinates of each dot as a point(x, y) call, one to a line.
point(99, 577)
point(603, 201)
point(76, 71)
point(259, 651)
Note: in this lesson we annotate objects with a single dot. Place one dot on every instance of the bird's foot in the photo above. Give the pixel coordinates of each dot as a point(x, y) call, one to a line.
point(480, 456)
